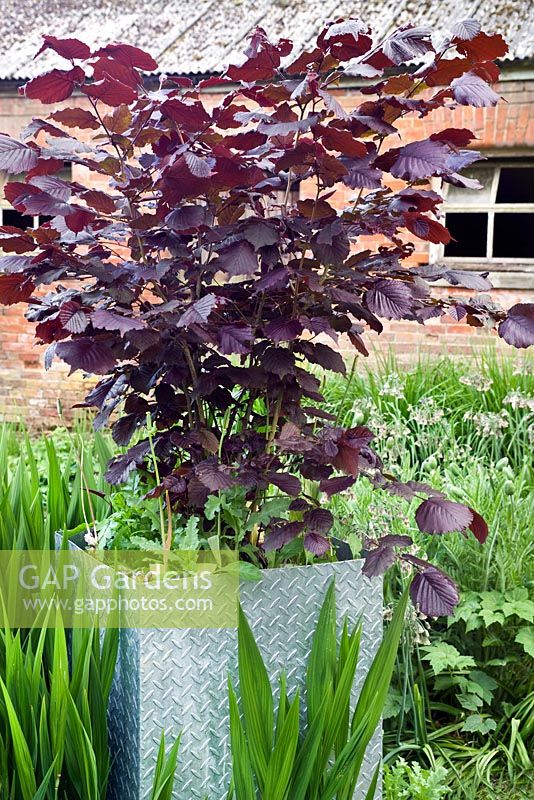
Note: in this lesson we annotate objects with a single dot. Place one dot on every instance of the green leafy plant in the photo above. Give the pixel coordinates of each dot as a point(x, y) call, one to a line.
point(50, 484)
point(54, 691)
point(403, 781)
point(165, 770)
point(275, 756)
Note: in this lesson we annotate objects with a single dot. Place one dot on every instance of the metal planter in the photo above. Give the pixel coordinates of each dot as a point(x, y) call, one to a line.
point(176, 679)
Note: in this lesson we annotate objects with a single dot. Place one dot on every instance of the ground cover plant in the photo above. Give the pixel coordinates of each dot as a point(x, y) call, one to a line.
point(202, 290)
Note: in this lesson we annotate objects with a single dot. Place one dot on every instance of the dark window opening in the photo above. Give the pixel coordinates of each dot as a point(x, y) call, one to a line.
point(513, 236)
point(469, 232)
point(15, 218)
point(516, 185)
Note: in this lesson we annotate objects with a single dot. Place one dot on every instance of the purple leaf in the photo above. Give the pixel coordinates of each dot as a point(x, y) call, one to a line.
point(424, 488)
point(471, 90)
point(9, 265)
point(238, 259)
point(438, 515)
point(287, 128)
point(187, 218)
point(333, 486)
point(349, 27)
point(471, 280)
point(120, 467)
point(361, 175)
point(462, 159)
point(15, 289)
point(15, 156)
point(287, 483)
point(73, 317)
point(291, 439)
point(111, 321)
point(66, 48)
point(277, 279)
point(457, 312)
point(110, 91)
point(420, 159)
point(235, 339)
point(378, 561)
point(55, 187)
point(199, 167)
point(75, 118)
point(281, 535)
point(478, 526)
point(331, 249)
point(406, 43)
point(87, 354)
point(318, 520)
point(434, 593)
point(199, 312)
point(278, 360)
point(395, 540)
point(518, 328)
point(316, 544)
point(398, 489)
point(323, 355)
point(426, 228)
point(190, 116)
point(466, 29)
point(260, 234)
point(390, 299)
point(124, 428)
point(53, 86)
point(283, 330)
point(129, 55)
point(213, 475)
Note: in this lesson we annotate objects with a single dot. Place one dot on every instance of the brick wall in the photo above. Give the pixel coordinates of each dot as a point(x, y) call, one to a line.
point(26, 391)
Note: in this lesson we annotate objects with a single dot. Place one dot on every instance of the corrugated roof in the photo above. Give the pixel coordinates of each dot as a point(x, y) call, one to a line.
point(202, 36)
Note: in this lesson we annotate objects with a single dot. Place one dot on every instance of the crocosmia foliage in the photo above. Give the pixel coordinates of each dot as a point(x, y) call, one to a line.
point(205, 294)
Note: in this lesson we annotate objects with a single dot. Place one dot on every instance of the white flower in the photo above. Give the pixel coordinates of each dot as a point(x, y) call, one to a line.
point(489, 422)
point(477, 381)
point(393, 386)
point(519, 400)
point(91, 539)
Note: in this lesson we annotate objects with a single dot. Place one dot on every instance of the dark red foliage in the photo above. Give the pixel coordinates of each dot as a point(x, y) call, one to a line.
point(203, 293)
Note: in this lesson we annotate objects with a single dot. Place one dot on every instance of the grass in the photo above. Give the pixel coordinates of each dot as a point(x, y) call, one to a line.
point(430, 410)
point(50, 484)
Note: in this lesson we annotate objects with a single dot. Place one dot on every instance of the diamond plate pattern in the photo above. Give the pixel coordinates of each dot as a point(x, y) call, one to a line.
point(176, 679)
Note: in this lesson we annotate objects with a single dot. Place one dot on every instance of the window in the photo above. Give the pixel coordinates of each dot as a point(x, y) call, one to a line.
point(9, 216)
point(496, 223)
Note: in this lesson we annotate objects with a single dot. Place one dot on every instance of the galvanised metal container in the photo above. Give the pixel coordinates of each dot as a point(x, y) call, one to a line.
point(176, 680)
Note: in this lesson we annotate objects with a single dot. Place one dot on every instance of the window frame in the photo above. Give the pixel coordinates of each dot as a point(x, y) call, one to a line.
point(491, 208)
point(35, 217)
point(65, 173)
